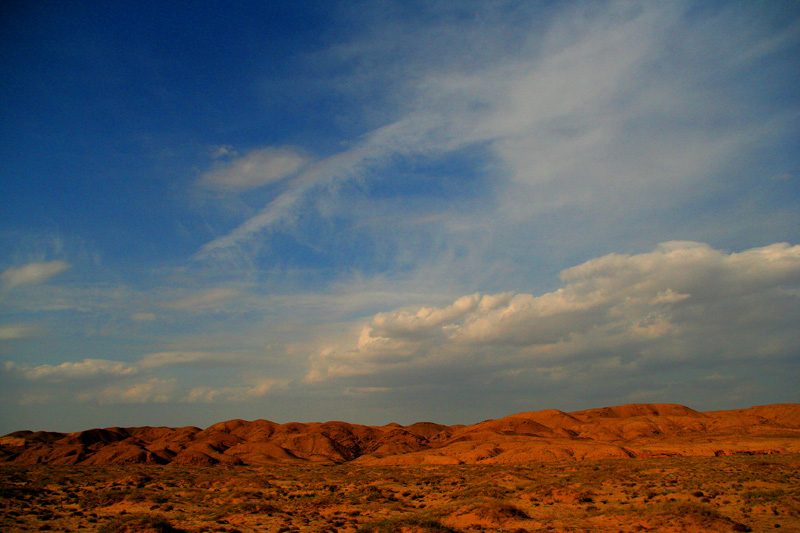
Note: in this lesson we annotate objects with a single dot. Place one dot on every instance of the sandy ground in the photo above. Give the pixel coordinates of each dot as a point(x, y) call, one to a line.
point(735, 493)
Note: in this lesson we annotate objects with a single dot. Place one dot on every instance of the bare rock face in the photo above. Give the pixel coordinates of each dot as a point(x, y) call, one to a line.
point(627, 431)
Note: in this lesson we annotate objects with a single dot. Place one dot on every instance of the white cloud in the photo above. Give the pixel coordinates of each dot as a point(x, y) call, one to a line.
point(682, 302)
point(107, 369)
point(110, 382)
point(608, 110)
point(32, 273)
point(415, 134)
point(88, 368)
point(234, 394)
point(256, 169)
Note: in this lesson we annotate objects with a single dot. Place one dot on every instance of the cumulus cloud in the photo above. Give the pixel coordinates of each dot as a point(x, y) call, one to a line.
point(255, 169)
point(685, 302)
point(32, 273)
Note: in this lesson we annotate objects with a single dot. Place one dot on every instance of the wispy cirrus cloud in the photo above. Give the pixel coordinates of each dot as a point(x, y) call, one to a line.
point(598, 112)
point(235, 394)
point(189, 358)
point(207, 299)
point(414, 134)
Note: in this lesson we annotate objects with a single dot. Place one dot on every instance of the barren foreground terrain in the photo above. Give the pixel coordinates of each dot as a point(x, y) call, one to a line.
point(632, 468)
point(733, 493)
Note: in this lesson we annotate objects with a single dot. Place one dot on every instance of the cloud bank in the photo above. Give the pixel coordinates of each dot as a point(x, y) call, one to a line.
point(685, 319)
point(685, 303)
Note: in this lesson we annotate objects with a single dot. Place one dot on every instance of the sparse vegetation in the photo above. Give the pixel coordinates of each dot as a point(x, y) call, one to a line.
point(717, 494)
point(138, 523)
point(762, 496)
point(406, 524)
point(104, 498)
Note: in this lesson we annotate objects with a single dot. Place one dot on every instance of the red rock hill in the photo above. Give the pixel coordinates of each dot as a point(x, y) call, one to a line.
point(627, 431)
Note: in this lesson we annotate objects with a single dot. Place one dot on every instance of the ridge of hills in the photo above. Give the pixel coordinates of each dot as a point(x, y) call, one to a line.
point(626, 431)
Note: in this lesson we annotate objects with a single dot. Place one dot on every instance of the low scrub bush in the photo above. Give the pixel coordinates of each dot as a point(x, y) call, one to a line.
point(104, 498)
point(761, 496)
point(407, 524)
point(138, 523)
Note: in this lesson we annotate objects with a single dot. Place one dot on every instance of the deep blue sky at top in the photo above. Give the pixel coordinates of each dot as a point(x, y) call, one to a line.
point(104, 103)
point(110, 110)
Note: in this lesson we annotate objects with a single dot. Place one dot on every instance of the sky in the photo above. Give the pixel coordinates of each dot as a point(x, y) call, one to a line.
point(395, 211)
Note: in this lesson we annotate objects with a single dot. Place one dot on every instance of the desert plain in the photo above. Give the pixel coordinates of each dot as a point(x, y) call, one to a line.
point(639, 467)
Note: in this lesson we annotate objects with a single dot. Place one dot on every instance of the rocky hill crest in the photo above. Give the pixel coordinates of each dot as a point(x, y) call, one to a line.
point(627, 431)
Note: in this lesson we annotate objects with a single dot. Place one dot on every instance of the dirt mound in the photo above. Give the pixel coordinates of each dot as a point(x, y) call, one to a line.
point(634, 430)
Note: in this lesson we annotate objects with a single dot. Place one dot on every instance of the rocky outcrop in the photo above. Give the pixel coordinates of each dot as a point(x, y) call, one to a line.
point(627, 431)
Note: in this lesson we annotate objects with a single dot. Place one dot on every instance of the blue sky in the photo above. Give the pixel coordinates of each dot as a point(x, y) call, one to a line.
point(395, 211)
